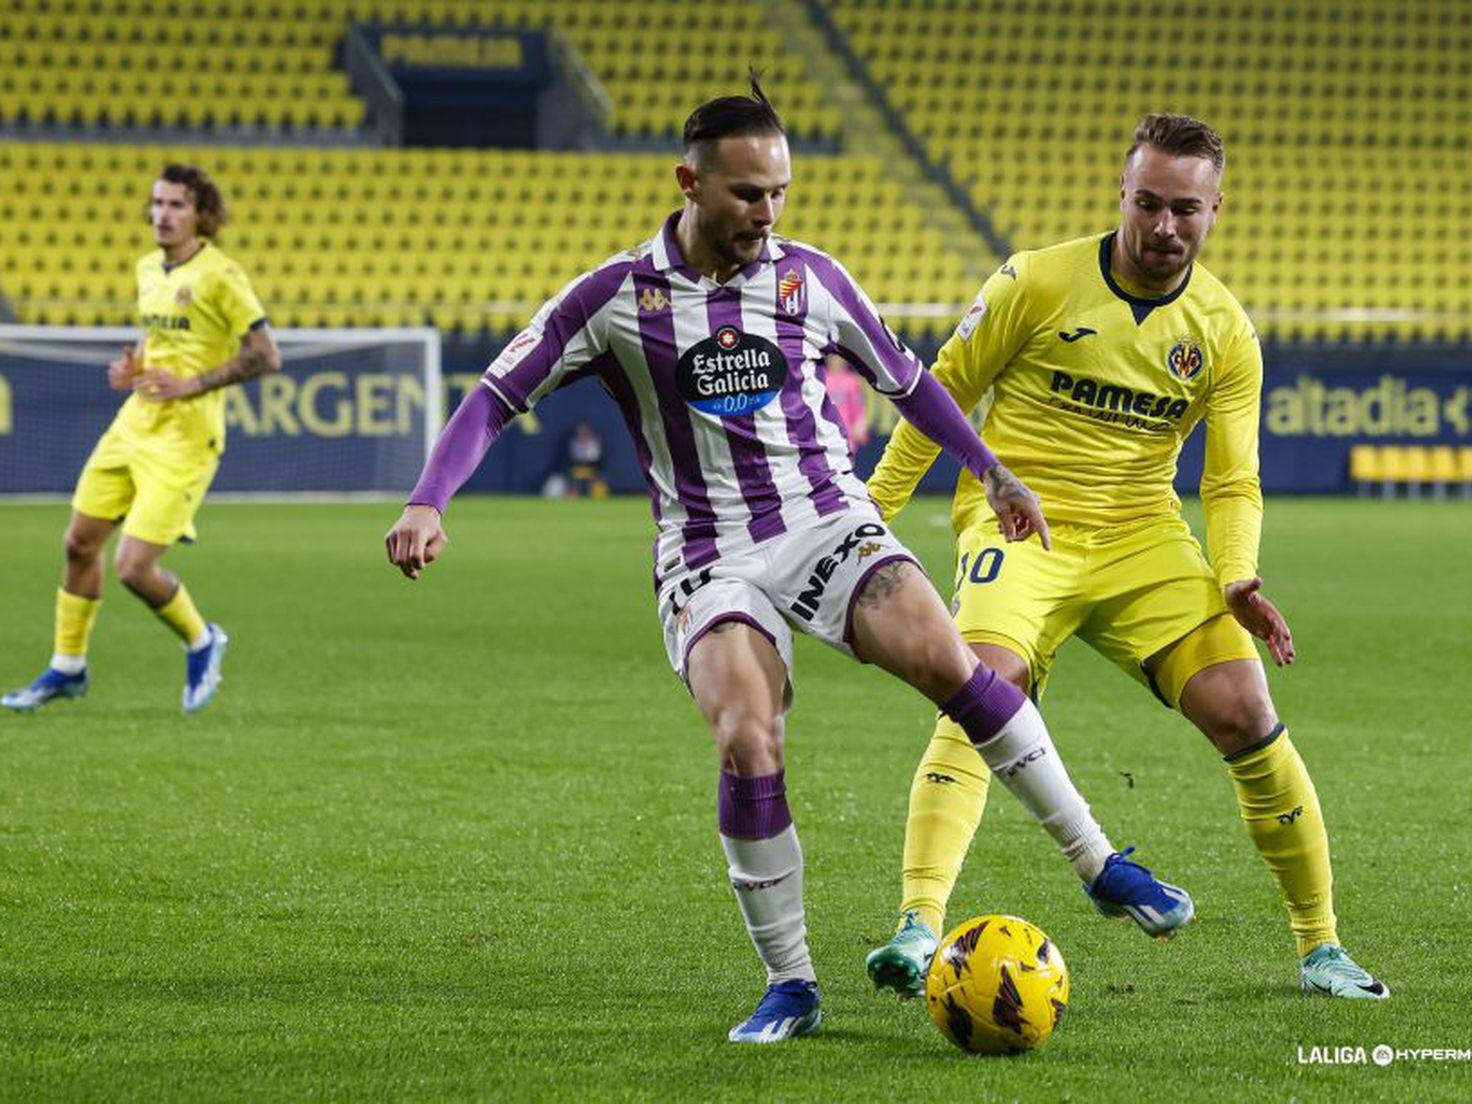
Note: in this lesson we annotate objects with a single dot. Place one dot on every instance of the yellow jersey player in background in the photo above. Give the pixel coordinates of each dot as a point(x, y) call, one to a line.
point(1099, 357)
point(204, 330)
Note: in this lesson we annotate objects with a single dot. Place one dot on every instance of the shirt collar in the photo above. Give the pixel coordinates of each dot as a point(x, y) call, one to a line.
point(1140, 306)
point(665, 252)
point(168, 268)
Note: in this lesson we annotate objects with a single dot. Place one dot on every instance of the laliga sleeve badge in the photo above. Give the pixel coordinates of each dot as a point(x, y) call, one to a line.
point(972, 318)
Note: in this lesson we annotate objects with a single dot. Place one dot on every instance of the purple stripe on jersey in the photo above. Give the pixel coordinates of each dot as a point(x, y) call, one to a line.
point(584, 300)
point(748, 454)
point(802, 428)
point(899, 363)
point(616, 380)
point(657, 334)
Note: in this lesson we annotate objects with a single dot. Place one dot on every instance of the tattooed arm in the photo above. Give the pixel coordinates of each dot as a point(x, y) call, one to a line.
point(258, 355)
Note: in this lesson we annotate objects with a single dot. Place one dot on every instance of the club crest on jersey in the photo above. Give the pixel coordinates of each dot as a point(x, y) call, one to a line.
point(184, 296)
point(1185, 360)
point(790, 293)
point(652, 301)
point(972, 318)
point(731, 373)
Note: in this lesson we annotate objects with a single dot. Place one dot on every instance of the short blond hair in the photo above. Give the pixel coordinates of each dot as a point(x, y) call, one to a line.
point(1179, 136)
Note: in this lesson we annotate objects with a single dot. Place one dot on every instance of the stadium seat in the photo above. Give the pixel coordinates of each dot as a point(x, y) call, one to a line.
point(214, 64)
point(481, 237)
point(1396, 469)
point(1030, 109)
point(1443, 469)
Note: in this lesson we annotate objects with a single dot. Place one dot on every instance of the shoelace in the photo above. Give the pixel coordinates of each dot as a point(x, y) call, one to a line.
point(1338, 963)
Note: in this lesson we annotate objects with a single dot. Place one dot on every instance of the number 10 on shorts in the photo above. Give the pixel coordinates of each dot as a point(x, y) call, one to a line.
point(984, 567)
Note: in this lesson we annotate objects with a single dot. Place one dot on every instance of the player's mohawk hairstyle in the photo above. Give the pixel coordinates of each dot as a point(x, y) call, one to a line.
point(1180, 136)
point(209, 201)
point(732, 115)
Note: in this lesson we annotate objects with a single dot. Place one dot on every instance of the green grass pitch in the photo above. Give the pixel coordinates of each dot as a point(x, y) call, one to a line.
point(456, 839)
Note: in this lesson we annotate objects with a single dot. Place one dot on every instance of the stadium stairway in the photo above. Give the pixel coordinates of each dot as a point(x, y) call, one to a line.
point(338, 233)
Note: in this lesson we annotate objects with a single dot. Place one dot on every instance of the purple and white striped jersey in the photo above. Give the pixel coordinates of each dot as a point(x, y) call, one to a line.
point(721, 385)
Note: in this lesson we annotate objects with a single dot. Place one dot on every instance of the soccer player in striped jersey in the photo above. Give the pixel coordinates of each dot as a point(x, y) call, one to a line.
point(710, 338)
point(204, 329)
point(1101, 355)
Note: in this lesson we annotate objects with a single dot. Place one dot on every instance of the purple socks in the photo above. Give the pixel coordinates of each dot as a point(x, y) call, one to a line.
point(752, 807)
point(983, 705)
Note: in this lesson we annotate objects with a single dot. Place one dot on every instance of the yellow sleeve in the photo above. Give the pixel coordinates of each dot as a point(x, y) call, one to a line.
point(237, 300)
point(991, 331)
point(1230, 491)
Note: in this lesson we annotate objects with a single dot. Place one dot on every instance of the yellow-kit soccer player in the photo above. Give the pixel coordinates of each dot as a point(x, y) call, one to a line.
point(1100, 356)
point(204, 330)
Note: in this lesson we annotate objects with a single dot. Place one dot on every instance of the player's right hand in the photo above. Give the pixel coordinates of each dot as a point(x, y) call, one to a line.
point(1019, 515)
point(120, 373)
point(416, 539)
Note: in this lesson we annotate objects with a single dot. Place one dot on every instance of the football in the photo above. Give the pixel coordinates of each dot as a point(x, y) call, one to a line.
point(997, 985)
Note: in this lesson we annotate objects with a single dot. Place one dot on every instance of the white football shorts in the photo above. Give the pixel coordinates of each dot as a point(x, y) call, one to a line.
point(809, 578)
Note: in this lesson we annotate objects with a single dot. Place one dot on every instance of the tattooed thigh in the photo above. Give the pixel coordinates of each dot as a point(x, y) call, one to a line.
point(888, 580)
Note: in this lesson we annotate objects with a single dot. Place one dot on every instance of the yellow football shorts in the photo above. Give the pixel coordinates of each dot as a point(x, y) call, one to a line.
point(1127, 591)
point(153, 491)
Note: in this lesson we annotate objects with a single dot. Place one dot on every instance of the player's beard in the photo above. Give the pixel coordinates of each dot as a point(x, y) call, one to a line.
point(1161, 265)
point(727, 248)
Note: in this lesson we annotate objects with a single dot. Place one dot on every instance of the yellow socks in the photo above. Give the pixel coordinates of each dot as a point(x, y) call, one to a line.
point(1282, 814)
point(946, 803)
point(75, 616)
point(179, 614)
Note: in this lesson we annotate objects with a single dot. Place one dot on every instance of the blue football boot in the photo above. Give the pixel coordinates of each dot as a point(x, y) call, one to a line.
point(202, 670)
point(1127, 890)
point(789, 1009)
point(51, 685)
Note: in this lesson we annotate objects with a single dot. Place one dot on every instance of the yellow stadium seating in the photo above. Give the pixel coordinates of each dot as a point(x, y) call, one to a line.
point(475, 239)
point(1347, 126)
point(1388, 468)
point(226, 63)
point(1366, 468)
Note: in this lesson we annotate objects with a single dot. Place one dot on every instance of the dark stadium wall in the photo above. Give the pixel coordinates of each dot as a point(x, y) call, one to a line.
point(334, 421)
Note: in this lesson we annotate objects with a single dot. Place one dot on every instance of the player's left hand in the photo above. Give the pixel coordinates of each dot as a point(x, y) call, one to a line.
point(1260, 617)
point(156, 385)
point(1019, 514)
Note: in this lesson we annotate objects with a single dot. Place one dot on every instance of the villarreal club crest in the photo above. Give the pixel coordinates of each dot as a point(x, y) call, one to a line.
point(1185, 360)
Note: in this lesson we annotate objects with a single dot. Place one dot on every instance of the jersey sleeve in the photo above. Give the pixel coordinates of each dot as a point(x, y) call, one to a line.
point(1230, 490)
point(860, 336)
point(237, 300)
point(989, 334)
point(569, 331)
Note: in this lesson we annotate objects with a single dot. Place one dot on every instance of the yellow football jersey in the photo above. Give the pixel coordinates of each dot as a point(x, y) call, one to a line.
point(194, 315)
point(1093, 391)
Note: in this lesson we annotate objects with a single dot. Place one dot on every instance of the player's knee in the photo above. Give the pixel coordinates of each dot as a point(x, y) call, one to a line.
point(1238, 722)
point(80, 550)
point(747, 737)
